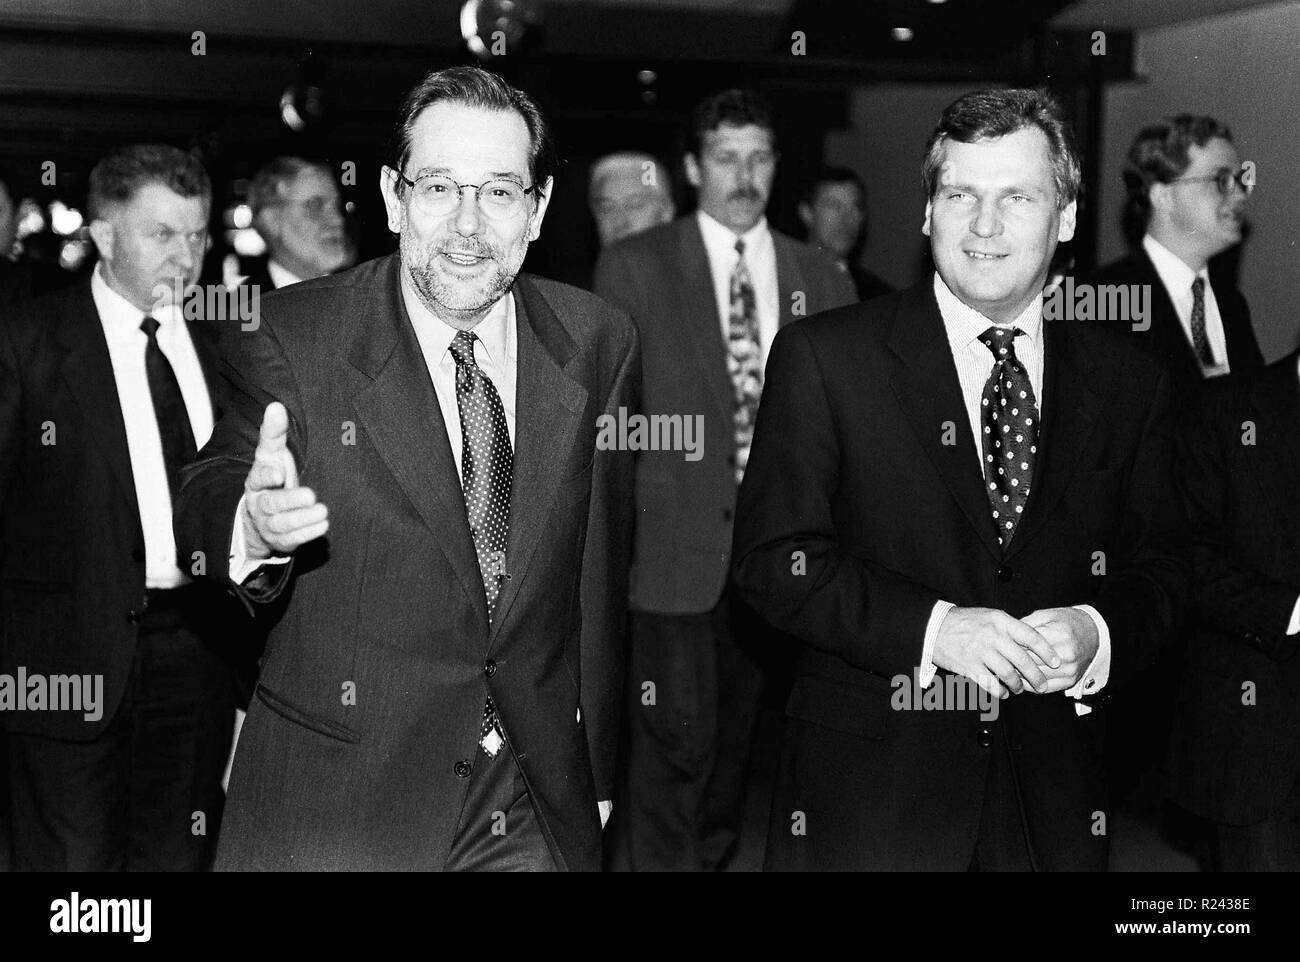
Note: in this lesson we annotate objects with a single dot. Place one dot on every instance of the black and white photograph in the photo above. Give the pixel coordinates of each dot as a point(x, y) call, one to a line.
point(650, 436)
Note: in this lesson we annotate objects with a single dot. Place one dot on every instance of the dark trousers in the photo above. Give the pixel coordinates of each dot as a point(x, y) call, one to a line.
point(1272, 845)
point(145, 794)
point(498, 829)
point(688, 736)
point(1002, 844)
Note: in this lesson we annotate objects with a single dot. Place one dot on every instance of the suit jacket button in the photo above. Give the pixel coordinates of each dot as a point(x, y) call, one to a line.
point(133, 617)
point(1005, 574)
point(489, 668)
point(462, 769)
point(984, 738)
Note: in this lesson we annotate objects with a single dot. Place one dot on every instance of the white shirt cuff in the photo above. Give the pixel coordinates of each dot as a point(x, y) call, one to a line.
point(241, 566)
point(1094, 679)
point(1293, 626)
point(928, 669)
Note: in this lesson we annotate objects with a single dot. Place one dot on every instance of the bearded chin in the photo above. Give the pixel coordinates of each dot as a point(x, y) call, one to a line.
point(436, 288)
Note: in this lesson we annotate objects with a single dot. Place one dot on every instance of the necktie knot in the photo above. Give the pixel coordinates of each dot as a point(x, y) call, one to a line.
point(1198, 287)
point(462, 348)
point(150, 327)
point(740, 246)
point(1001, 342)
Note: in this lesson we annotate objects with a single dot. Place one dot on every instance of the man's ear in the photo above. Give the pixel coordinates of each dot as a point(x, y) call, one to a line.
point(389, 187)
point(692, 165)
point(1159, 197)
point(925, 225)
point(101, 232)
point(543, 200)
point(1068, 218)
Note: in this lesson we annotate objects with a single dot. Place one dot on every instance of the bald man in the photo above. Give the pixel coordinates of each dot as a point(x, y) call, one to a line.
point(630, 192)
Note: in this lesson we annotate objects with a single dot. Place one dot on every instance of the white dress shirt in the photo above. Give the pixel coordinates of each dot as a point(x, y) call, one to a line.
point(760, 258)
point(1177, 278)
point(281, 276)
point(126, 346)
point(974, 362)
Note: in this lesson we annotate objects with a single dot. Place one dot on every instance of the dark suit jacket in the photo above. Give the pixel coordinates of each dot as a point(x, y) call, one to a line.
point(684, 508)
point(849, 466)
point(1166, 337)
point(390, 604)
point(1231, 761)
point(72, 551)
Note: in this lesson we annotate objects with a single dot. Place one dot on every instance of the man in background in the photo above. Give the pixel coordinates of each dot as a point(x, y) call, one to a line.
point(833, 210)
point(298, 211)
point(629, 192)
point(709, 292)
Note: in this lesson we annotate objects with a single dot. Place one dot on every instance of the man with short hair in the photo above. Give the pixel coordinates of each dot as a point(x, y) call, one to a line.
point(833, 210)
point(299, 214)
point(441, 689)
point(708, 292)
point(105, 395)
point(1187, 191)
point(945, 490)
point(629, 192)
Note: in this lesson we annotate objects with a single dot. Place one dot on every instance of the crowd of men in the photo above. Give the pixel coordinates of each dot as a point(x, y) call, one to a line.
point(356, 586)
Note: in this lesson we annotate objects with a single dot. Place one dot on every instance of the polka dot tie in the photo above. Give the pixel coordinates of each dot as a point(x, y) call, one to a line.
point(744, 357)
point(486, 463)
point(1009, 418)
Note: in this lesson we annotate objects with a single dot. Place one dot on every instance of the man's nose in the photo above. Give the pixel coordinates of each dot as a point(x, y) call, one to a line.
point(183, 254)
point(468, 217)
point(988, 220)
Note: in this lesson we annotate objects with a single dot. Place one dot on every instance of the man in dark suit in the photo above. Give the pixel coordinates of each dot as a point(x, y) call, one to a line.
point(104, 396)
point(834, 212)
point(1187, 190)
point(441, 690)
point(708, 292)
point(1235, 752)
point(908, 518)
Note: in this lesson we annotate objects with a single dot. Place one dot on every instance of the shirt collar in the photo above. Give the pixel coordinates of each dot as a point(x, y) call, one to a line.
point(718, 238)
point(965, 324)
point(281, 276)
point(1174, 272)
point(436, 336)
point(118, 315)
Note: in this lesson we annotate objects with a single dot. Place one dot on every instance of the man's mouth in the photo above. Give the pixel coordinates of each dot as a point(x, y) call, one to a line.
point(983, 256)
point(464, 258)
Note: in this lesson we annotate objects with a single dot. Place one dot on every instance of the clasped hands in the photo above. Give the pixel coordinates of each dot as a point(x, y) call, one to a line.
point(1046, 651)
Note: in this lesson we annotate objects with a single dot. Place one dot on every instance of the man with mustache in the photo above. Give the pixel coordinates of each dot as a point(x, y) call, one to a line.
point(708, 292)
point(299, 214)
point(946, 489)
point(1187, 191)
point(424, 509)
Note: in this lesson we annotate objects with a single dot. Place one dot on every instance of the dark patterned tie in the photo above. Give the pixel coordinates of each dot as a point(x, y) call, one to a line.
point(1199, 341)
point(486, 462)
point(744, 357)
point(174, 428)
point(1009, 413)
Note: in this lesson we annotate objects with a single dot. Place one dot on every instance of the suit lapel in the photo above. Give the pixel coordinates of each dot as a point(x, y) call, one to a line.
point(398, 408)
point(88, 370)
point(789, 278)
point(549, 406)
point(1070, 409)
point(929, 393)
point(1166, 329)
point(700, 317)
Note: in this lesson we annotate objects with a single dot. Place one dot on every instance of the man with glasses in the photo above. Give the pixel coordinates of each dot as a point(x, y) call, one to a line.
point(299, 214)
point(408, 478)
point(1187, 190)
point(708, 292)
point(106, 393)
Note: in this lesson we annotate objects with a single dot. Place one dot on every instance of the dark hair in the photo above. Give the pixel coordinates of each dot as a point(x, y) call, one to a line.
point(734, 108)
point(832, 175)
point(117, 177)
point(474, 87)
point(268, 183)
point(995, 113)
point(1160, 154)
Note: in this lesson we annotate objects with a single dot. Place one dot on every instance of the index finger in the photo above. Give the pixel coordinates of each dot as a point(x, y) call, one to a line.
point(1027, 637)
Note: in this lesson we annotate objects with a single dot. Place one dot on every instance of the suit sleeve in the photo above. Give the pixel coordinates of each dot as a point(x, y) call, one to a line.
point(788, 562)
point(1143, 595)
point(1230, 595)
point(10, 405)
point(253, 372)
point(606, 557)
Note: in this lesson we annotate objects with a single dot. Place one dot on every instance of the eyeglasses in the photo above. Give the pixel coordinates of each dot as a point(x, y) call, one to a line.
point(438, 195)
point(1224, 179)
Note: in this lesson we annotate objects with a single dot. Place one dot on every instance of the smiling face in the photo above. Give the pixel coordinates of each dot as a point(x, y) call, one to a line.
point(461, 263)
point(152, 244)
point(993, 221)
point(734, 174)
point(1191, 217)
